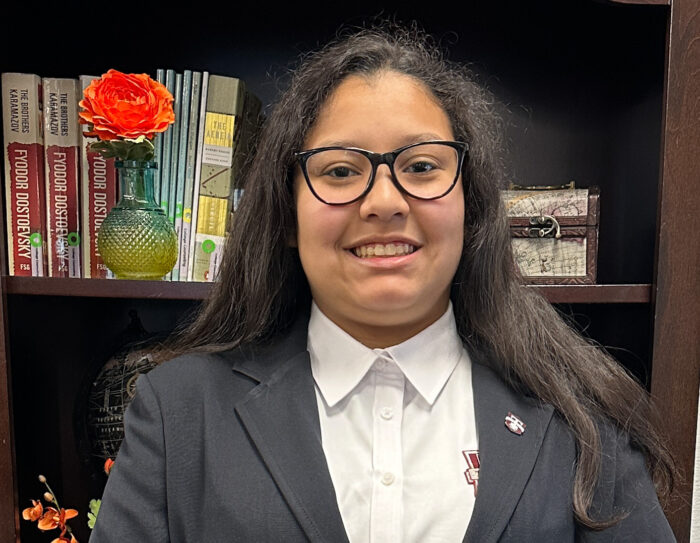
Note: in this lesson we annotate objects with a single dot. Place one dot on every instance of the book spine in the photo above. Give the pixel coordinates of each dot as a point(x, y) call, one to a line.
point(24, 173)
point(210, 237)
point(158, 146)
point(186, 230)
point(182, 164)
point(174, 154)
point(61, 158)
point(197, 173)
point(164, 165)
point(98, 195)
point(224, 107)
point(175, 147)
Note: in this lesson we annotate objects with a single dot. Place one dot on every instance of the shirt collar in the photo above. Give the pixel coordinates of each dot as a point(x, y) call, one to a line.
point(339, 361)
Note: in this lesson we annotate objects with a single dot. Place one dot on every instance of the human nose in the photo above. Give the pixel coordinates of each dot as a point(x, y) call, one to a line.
point(384, 200)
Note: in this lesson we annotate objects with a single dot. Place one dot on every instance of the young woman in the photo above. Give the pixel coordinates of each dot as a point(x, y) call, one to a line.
point(369, 367)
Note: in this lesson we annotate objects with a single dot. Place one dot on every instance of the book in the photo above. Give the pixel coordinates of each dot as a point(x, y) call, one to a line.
point(25, 208)
point(179, 199)
point(61, 158)
point(228, 102)
point(158, 146)
point(98, 195)
point(192, 139)
point(201, 130)
point(174, 155)
point(167, 139)
point(175, 147)
point(24, 173)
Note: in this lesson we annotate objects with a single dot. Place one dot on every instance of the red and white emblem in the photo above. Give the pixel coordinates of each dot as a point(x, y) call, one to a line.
point(514, 424)
point(472, 473)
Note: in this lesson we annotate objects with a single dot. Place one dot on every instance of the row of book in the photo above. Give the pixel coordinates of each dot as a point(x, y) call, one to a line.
point(57, 192)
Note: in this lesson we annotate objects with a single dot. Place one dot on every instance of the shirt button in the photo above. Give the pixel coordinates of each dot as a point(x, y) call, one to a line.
point(387, 413)
point(387, 478)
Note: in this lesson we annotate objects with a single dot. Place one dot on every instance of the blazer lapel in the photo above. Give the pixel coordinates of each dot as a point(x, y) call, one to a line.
point(281, 417)
point(506, 459)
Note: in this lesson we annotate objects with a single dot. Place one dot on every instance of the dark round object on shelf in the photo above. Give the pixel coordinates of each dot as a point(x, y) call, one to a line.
point(109, 396)
point(106, 390)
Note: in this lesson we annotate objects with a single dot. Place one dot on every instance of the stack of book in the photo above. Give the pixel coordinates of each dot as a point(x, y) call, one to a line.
point(58, 193)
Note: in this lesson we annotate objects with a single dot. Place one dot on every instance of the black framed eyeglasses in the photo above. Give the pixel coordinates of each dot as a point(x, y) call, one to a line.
point(342, 175)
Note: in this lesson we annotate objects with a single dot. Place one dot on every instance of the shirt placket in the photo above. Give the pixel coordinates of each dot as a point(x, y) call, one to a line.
point(387, 473)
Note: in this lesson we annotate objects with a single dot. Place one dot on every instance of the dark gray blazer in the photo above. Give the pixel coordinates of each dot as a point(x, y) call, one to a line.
point(227, 447)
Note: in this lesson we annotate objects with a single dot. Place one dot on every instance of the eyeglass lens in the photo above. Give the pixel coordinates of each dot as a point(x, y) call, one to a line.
point(341, 175)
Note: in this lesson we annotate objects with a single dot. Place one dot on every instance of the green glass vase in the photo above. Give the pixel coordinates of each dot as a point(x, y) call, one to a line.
point(136, 240)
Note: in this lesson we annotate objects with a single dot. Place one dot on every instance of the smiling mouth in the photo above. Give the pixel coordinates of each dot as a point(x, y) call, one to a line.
point(383, 250)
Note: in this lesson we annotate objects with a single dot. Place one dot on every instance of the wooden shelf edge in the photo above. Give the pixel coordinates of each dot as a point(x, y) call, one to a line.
point(176, 290)
point(642, 2)
point(106, 288)
point(596, 294)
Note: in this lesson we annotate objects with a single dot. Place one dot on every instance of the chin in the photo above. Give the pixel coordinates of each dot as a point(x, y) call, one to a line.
point(395, 307)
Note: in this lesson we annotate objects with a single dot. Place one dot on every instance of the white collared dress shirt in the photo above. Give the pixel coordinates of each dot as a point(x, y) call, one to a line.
point(398, 432)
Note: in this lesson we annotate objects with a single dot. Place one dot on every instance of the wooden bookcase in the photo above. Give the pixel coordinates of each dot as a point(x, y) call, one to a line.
point(606, 93)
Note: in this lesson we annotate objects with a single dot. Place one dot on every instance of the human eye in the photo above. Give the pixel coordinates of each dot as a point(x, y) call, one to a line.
point(426, 161)
point(340, 171)
point(420, 166)
point(337, 166)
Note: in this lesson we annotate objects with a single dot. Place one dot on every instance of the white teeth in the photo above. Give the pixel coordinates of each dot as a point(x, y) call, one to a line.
point(378, 249)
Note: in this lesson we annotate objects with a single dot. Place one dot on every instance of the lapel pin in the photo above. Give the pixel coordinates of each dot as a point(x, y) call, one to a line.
point(514, 424)
point(473, 465)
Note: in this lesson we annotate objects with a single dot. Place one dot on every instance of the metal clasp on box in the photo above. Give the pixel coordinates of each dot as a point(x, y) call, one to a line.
point(546, 226)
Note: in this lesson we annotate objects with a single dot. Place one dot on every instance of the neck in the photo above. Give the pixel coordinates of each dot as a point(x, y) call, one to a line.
point(381, 331)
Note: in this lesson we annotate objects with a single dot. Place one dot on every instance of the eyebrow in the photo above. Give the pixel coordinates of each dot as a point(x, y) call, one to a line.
point(406, 140)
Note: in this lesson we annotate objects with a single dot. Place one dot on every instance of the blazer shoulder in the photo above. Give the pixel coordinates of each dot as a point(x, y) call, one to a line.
point(197, 374)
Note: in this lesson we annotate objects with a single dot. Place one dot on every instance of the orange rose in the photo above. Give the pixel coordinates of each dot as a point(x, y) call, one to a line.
point(126, 106)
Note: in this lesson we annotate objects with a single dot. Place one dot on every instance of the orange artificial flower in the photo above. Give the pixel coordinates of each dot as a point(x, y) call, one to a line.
point(64, 539)
point(56, 519)
point(126, 106)
point(33, 513)
point(108, 465)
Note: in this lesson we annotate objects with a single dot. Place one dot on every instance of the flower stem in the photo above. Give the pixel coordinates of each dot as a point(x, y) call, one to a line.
point(53, 494)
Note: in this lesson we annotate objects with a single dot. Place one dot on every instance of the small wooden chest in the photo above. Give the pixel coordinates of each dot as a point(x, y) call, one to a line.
point(554, 233)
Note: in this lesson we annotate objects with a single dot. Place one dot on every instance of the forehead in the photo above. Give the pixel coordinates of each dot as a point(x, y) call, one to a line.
point(380, 112)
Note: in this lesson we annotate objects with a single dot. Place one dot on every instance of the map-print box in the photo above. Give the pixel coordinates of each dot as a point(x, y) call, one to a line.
point(554, 233)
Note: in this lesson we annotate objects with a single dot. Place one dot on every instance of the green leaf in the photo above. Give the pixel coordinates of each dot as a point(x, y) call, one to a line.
point(92, 515)
point(139, 149)
point(105, 148)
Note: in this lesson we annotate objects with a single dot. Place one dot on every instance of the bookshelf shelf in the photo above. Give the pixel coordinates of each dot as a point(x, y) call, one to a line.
point(106, 288)
point(176, 290)
point(596, 294)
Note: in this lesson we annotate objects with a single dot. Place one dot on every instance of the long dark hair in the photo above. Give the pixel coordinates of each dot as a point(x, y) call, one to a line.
point(261, 287)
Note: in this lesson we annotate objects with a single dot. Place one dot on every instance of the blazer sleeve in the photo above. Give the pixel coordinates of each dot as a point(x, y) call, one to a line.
point(134, 501)
point(626, 488)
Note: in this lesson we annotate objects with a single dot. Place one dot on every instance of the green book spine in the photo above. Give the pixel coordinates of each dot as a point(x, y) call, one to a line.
point(174, 153)
point(201, 129)
point(175, 147)
point(158, 144)
point(164, 165)
point(186, 230)
point(182, 163)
